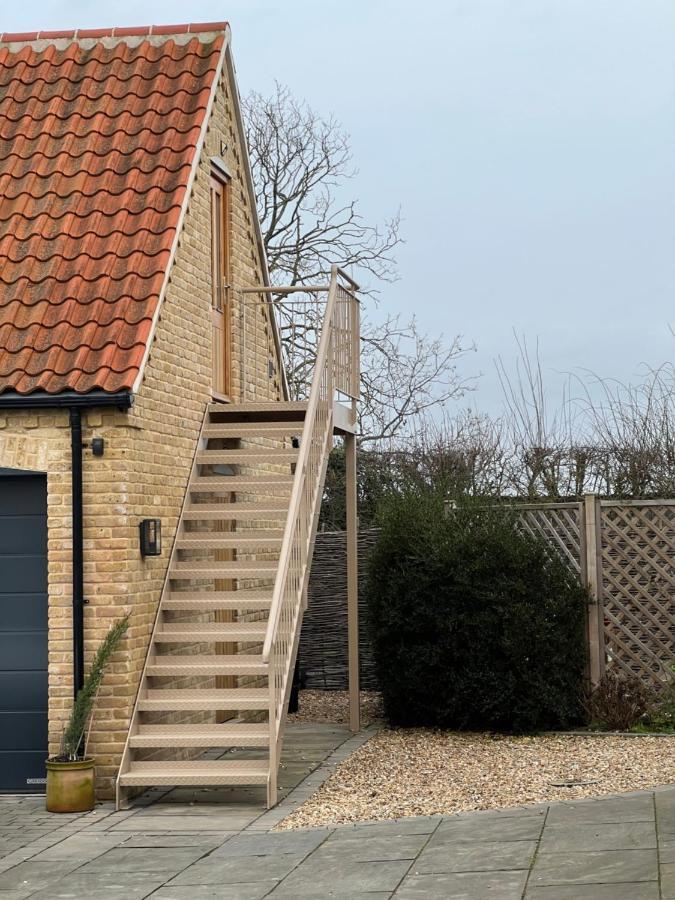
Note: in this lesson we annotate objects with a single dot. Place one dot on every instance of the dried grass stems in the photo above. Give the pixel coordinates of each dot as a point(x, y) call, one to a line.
point(422, 772)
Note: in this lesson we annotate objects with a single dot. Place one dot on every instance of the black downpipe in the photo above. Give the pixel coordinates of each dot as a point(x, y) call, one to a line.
point(78, 548)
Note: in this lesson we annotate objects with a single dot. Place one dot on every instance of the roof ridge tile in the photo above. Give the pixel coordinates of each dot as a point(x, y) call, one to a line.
point(77, 34)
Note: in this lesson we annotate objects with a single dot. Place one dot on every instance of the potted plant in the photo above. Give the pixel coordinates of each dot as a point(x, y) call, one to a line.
point(70, 775)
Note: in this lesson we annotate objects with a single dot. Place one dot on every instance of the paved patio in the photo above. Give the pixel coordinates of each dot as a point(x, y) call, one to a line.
point(190, 847)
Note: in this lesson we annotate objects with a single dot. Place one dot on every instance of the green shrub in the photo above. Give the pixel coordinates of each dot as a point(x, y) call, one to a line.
point(474, 625)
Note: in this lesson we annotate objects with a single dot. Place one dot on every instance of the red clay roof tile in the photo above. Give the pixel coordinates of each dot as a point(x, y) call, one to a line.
point(96, 148)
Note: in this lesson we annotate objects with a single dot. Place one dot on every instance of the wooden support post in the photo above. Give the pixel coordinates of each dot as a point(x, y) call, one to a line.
point(593, 578)
point(352, 583)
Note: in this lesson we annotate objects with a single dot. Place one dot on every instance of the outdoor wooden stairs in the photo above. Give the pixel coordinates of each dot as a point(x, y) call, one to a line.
point(219, 668)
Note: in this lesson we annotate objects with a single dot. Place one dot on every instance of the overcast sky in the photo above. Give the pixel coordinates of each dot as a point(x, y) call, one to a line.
point(530, 145)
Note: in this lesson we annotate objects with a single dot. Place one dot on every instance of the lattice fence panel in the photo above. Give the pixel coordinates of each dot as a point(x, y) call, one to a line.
point(638, 586)
point(560, 525)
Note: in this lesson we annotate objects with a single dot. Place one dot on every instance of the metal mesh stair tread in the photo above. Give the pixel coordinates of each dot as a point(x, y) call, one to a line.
point(192, 664)
point(168, 699)
point(228, 539)
point(211, 631)
point(206, 483)
point(197, 772)
point(253, 429)
point(229, 734)
point(247, 456)
point(210, 568)
point(212, 600)
point(264, 406)
point(268, 507)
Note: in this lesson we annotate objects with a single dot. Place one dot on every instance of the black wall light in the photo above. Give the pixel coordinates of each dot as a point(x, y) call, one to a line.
point(151, 537)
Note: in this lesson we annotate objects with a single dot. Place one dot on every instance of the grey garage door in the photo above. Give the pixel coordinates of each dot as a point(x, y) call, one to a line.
point(23, 631)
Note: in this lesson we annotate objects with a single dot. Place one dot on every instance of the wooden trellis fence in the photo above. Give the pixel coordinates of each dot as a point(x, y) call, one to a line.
point(624, 552)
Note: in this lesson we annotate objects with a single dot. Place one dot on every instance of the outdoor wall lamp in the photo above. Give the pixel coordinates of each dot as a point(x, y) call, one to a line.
point(151, 537)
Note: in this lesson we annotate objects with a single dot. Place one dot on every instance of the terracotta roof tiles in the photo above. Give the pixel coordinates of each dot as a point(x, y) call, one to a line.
point(97, 142)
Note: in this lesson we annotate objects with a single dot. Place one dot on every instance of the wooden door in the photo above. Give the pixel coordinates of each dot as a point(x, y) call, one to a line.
point(220, 286)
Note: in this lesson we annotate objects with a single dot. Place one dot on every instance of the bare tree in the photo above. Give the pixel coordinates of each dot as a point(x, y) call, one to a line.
point(405, 375)
point(302, 165)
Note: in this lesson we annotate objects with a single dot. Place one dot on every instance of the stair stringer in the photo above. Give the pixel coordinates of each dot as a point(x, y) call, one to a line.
point(279, 737)
point(122, 795)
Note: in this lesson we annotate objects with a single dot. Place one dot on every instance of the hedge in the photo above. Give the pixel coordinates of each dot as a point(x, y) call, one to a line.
point(474, 624)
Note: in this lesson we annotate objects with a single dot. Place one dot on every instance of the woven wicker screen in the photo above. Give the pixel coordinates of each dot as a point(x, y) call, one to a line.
point(323, 640)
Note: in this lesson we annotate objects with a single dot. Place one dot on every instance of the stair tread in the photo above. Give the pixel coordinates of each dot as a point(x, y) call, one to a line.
point(280, 406)
point(245, 455)
point(253, 429)
point(212, 600)
point(227, 734)
point(266, 508)
point(212, 628)
point(194, 663)
point(228, 539)
point(214, 568)
point(170, 699)
point(197, 772)
point(261, 729)
point(248, 484)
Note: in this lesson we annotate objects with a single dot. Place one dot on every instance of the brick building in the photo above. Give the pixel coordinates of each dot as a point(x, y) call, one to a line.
point(128, 238)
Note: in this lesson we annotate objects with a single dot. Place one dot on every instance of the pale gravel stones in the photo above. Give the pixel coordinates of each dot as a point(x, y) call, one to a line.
point(417, 772)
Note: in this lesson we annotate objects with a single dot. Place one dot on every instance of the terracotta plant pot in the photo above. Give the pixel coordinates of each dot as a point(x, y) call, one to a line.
point(70, 786)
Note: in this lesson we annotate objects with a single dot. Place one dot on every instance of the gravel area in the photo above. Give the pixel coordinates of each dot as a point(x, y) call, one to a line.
point(421, 772)
point(333, 707)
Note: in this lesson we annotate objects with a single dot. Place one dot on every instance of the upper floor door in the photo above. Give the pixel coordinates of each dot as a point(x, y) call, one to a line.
point(220, 286)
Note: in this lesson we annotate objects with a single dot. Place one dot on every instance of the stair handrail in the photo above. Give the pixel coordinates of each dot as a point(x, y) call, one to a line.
point(336, 373)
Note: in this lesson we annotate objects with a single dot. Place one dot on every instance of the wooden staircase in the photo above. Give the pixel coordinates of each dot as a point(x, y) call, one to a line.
point(219, 667)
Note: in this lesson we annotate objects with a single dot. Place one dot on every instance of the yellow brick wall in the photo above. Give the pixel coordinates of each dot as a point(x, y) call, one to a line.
point(148, 456)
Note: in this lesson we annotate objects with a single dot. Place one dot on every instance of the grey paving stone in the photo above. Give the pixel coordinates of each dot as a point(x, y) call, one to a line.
point(464, 886)
point(667, 850)
point(372, 848)
point(319, 877)
point(93, 887)
point(273, 844)
point(253, 891)
point(80, 847)
point(597, 866)
point(34, 875)
point(215, 824)
point(606, 836)
point(237, 869)
point(645, 890)
point(611, 809)
point(161, 861)
point(411, 825)
point(667, 881)
point(192, 839)
point(484, 856)
point(520, 828)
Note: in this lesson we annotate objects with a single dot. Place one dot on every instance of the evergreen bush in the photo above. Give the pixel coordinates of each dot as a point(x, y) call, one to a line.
point(474, 624)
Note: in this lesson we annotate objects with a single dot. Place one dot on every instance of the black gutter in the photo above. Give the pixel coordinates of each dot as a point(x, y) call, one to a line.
point(78, 548)
point(75, 403)
point(66, 400)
